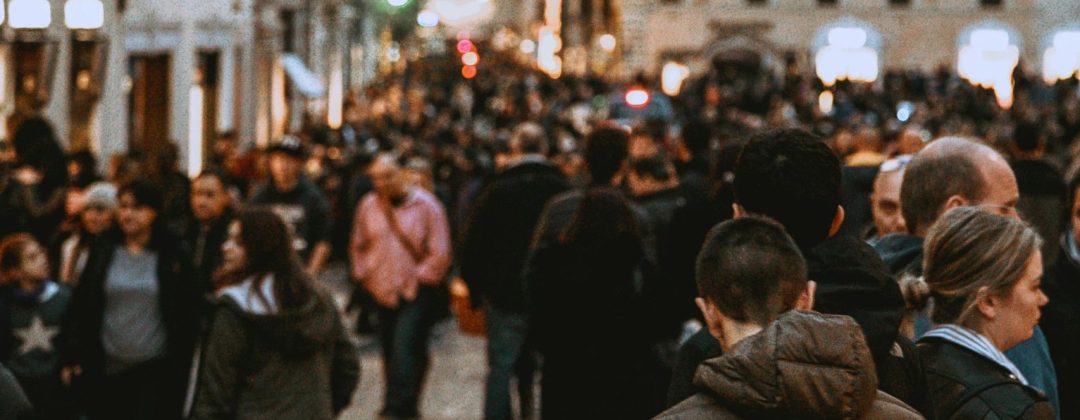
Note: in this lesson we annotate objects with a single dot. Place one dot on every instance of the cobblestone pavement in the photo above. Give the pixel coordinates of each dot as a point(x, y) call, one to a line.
point(455, 383)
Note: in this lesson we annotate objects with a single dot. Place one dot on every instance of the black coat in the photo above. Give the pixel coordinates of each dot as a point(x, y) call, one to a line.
point(852, 280)
point(1061, 324)
point(179, 301)
point(966, 385)
point(500, 230)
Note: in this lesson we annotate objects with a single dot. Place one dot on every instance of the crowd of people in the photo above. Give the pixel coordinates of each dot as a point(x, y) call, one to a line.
point(758, 253)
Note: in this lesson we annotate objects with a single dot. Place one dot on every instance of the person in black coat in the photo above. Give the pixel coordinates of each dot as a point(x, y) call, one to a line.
point(1061, 317)
point(131, 326)
point(494, 249)
point(587, 311)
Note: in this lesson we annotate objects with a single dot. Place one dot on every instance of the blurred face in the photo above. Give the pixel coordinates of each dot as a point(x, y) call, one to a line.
point(209, 199)
point(885, 203)
point(387, 178)
point(35, 264)
point(234, 257)
point(97, 219)
point(74, 201)
point(1018, 313)
point(642, 147)
point(284, 170)
point(134, 219)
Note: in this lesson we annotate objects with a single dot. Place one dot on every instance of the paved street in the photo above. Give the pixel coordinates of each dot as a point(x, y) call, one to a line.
point(455, 387)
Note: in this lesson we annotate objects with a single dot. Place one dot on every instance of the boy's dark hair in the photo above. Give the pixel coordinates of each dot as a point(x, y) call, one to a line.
point(751, 270)
point(793, 177)
point(145, 194)
point(606, 149)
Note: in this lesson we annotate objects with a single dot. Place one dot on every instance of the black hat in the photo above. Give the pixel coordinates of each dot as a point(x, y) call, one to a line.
point(289, 145)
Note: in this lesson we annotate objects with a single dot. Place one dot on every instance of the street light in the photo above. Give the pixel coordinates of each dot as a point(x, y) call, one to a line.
point(29, 14)
point(84, 14)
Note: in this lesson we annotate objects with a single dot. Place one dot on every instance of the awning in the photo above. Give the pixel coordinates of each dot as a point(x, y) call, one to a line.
point(305, 81)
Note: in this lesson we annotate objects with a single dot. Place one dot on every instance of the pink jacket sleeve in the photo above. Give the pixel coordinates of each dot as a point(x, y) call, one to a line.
point(358, 242)
point(432, 269)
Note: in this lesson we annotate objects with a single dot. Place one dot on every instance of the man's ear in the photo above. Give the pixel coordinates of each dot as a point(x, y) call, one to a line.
point(712, 317)
point(806, 299)
point(954, 202)
point(738, 211)
point(837, 220)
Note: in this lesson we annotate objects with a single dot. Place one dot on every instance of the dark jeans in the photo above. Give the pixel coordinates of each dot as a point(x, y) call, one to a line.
point(507, 354)
point(143, 392)
point(404, 334)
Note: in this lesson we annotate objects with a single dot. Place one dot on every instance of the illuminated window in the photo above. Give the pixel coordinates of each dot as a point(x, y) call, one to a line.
point(988, 55)
point(1062, 59)
point(847, 50)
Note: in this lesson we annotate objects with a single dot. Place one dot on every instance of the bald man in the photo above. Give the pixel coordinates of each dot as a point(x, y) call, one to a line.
point(953, 172)
point(400, 251)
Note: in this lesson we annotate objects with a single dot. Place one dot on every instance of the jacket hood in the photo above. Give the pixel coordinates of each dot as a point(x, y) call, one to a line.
point(852, 280)
point(901, 253)
point(296, 331)
point(803, 365)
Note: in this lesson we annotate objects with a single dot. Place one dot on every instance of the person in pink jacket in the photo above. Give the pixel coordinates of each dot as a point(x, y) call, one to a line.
point(400, 251)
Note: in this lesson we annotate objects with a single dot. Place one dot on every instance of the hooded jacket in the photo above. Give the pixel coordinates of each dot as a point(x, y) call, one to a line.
point(264, 363)
point(852, 280)
point(805, 365)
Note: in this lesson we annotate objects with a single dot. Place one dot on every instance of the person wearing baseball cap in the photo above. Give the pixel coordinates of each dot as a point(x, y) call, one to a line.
point(303, 207)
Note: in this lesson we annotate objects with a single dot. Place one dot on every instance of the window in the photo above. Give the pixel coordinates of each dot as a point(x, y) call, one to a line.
point(757, 2)
point(828, 3)
point(900, 3)
point(991, 3)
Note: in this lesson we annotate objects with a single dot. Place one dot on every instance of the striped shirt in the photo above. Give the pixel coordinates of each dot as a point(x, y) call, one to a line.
point(977, 343)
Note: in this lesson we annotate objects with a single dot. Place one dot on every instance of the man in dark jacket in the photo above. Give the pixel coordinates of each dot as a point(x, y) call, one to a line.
point(778, 362)
point(793, 177)
point(1061, 317)
point(493, 254)
point(299, 202)
point(954, 172)
point(1042, 187)
point(211, 204)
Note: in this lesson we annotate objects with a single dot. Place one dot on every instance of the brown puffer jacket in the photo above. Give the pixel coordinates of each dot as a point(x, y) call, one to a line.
point(805, 365)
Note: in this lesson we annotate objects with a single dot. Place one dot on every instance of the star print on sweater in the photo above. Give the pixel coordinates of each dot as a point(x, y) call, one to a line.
point(36, 336)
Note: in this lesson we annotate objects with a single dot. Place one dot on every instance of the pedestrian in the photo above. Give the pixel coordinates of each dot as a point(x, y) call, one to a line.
point(496, 243)
point(303, 207)
point(133, 317)
point(983, 271)
point(780, 359)
point(277, 348)
point(1061, 317)
point(34, 309)
point(212, 208)
point(588, 312)
point(96, 218)
point(400, 250)
point(956, 172)
point(792, 176)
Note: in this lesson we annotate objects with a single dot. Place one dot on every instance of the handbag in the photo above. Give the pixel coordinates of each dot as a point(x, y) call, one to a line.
point(471, 320)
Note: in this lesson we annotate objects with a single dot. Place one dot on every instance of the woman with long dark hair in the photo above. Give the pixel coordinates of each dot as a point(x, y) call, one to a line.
point(588, 313)
point(133, 318)
point(277, 348)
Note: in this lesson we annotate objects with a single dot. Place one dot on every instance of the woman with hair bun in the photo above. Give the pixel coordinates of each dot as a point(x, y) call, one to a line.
point(983, 272)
